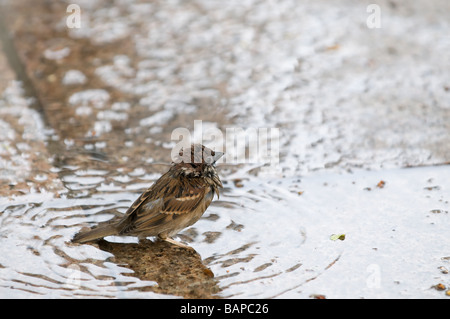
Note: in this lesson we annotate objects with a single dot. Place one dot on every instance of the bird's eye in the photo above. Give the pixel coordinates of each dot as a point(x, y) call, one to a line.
point(209, 159)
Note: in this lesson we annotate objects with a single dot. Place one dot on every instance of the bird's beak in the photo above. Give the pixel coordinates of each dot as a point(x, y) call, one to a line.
point(217, 155)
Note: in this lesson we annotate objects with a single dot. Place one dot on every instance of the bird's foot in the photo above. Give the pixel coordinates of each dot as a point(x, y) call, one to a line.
point(177, 243)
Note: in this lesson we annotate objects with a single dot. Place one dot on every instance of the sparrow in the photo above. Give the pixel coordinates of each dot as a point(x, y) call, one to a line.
point(175, 201)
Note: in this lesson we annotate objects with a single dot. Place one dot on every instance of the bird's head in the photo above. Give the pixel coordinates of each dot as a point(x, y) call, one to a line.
point(197, 160)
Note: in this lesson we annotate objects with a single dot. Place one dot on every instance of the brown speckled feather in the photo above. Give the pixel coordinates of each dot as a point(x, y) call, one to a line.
point(175, 201)
point(161, 204)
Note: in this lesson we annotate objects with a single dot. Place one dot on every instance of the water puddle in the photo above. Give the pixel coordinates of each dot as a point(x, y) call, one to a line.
point(264, 238)
point(97, 133)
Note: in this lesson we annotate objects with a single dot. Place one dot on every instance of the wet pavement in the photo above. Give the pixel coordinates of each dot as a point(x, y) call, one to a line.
point(86, 117)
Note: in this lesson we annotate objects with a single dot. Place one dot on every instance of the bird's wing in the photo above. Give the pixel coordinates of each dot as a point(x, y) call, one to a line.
point(163, 202)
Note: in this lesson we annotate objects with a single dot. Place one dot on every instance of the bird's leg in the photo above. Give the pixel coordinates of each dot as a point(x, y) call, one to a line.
point(176, 243)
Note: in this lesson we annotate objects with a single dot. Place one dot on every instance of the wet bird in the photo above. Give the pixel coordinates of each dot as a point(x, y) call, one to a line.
point(175, 201)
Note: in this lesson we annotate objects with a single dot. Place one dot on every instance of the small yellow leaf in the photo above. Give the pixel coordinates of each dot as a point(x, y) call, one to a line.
point(337, 236)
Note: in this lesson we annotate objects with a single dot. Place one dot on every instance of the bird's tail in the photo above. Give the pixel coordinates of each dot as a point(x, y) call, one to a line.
point(94, 234)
